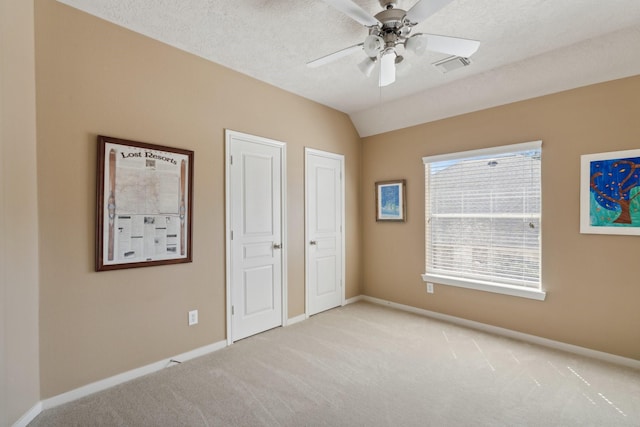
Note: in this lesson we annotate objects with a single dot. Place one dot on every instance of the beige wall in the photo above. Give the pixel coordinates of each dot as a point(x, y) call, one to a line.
point(96, 78)
point(19, 364)
point(591, 280)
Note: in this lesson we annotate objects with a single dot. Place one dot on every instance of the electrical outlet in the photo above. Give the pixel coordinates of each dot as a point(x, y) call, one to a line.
point(193, 317)
point(429, 288)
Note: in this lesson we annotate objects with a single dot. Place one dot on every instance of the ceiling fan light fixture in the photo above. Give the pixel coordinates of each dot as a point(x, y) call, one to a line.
point(387, 68)
point(367, 66)
point(416, 44)
point(373, 45)
point(403, 68)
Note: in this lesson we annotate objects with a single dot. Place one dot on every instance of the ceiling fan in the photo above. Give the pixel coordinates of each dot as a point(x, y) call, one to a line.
point(392, 28)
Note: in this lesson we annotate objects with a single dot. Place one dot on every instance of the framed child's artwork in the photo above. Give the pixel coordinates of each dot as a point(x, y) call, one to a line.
point(610, 193)
point(391, 200)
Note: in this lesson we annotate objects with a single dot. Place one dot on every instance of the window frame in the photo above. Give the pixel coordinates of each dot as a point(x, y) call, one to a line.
point(468, 283)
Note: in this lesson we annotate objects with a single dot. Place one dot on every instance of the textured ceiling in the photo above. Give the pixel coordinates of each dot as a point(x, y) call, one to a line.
point(528, 48)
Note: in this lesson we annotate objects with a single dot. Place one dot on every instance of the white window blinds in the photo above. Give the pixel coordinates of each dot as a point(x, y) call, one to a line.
point(483, 215)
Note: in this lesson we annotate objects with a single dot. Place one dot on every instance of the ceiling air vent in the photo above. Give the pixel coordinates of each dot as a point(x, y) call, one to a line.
point(451, 63)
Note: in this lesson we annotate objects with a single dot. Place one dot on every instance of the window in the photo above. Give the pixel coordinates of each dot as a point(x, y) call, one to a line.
point(482, 219)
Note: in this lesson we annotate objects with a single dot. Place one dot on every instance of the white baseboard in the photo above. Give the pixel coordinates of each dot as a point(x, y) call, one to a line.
point(354, 299)
point(29, 416)
point(557, 345)
point(297, 319)
point(128, 376)
point(145, 370)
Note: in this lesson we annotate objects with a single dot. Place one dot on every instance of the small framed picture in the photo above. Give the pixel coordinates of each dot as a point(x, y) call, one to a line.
point(610, 193)
point(391, 200)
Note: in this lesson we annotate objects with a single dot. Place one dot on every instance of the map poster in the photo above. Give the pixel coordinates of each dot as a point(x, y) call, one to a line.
point(144, 198)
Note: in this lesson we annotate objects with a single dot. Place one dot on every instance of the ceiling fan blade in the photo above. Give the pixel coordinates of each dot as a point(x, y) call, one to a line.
point(354, 12)
point(424, 9)
point(449, 45)
point(334, 56)
point(387, 69)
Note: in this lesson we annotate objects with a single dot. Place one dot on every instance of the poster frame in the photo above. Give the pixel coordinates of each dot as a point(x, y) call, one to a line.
point(112, 154)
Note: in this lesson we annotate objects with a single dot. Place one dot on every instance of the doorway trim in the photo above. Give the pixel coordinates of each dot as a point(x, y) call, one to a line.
point(307, 152)
point(229, 134)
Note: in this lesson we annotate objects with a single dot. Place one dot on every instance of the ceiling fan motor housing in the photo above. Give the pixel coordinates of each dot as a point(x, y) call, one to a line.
point(395, 28)
point(388, 4)
point(391, 19)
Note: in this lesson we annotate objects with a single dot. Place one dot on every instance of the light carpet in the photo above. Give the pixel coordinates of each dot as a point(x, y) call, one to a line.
point(368, 365)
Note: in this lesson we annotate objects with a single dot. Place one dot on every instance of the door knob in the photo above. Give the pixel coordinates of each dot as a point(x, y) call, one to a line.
point(313, 242)
point(277, 246)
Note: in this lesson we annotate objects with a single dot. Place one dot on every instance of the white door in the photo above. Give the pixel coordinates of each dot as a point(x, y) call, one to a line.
point(255, 235)
point(324, 208)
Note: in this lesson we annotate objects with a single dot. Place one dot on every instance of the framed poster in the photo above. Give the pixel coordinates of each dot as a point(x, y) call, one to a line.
point(143, 204)
point(610, 193)
point(390, 200)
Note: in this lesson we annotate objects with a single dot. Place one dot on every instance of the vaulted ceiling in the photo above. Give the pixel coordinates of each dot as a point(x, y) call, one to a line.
point(528, 48)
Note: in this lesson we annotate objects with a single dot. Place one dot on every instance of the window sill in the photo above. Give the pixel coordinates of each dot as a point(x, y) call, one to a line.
point(486, 286)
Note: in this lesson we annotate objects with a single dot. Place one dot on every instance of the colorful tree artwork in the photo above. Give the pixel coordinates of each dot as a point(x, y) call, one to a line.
point(615, 192)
